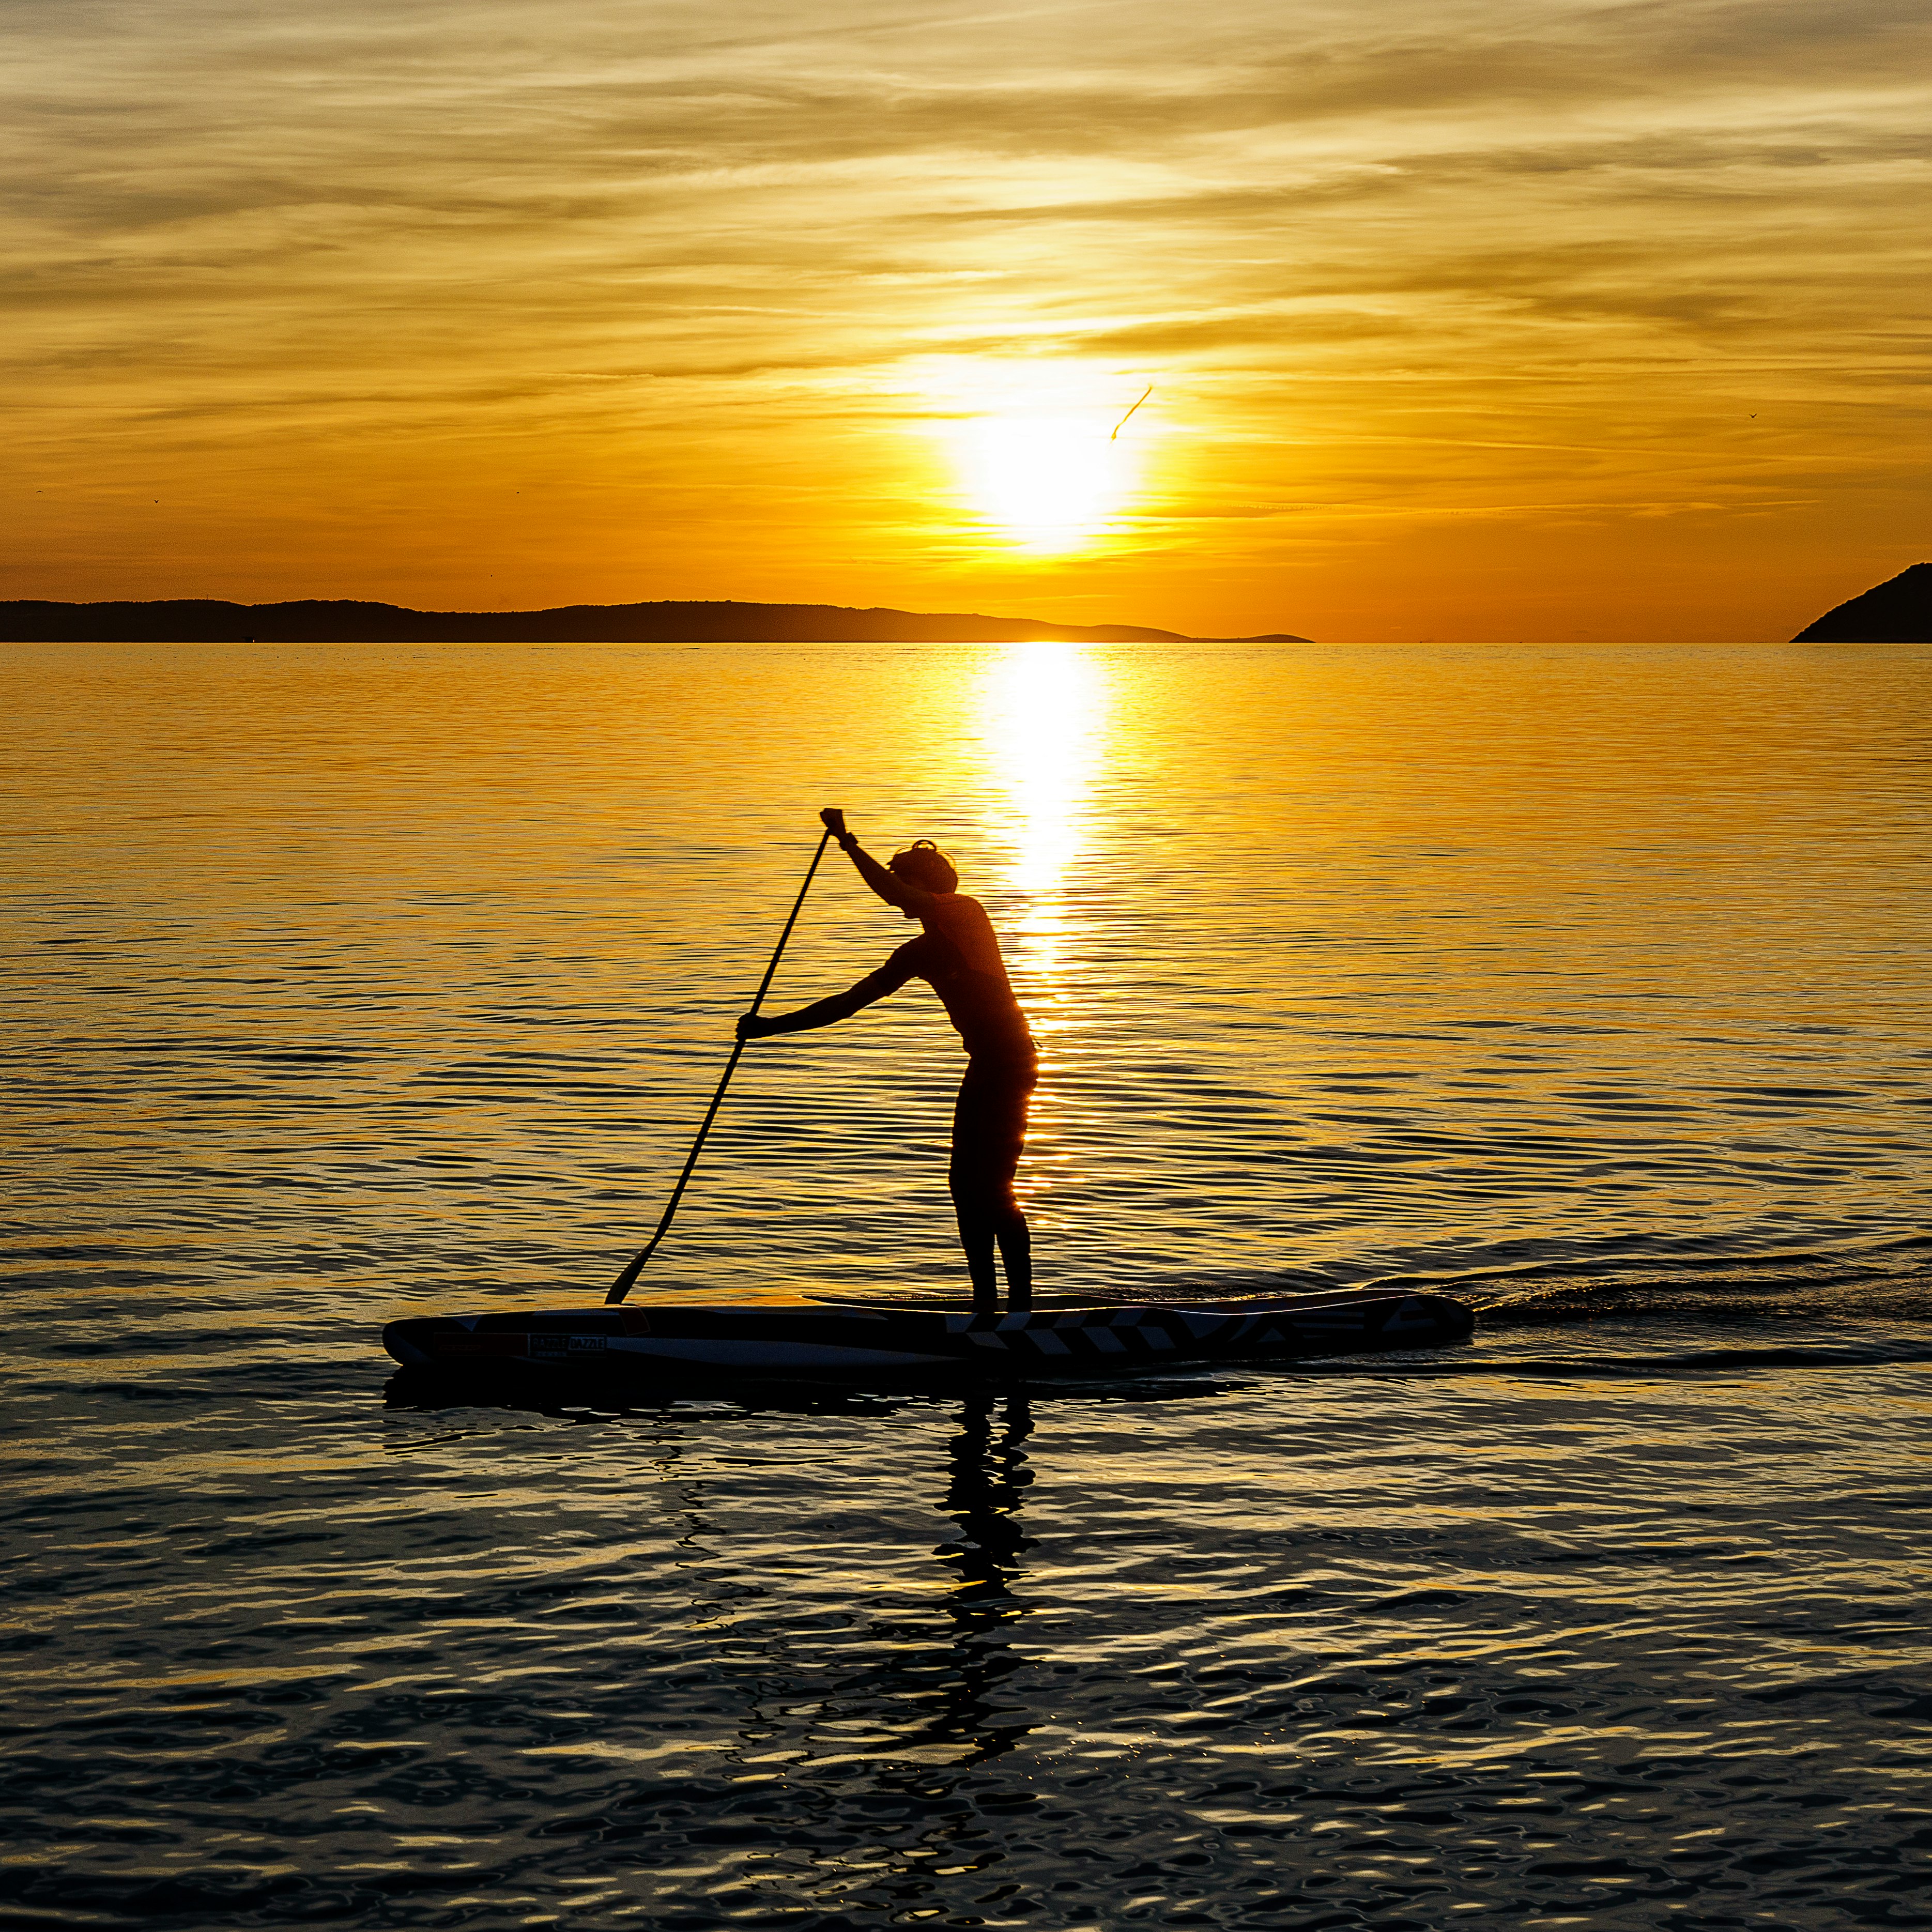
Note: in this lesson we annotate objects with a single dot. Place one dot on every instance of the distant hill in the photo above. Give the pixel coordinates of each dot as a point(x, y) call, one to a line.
point(195, 620)
point(1898, 611)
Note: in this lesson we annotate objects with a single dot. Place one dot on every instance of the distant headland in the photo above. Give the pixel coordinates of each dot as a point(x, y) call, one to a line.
point(1898, 611)
point(340, 621)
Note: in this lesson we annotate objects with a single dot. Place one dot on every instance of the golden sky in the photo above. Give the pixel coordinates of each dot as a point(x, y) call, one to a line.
point(1462, 320)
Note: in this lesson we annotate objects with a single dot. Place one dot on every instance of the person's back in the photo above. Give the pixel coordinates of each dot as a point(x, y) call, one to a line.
point(958, 956)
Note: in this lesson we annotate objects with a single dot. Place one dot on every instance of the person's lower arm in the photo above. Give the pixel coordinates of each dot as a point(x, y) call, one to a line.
point(890, 887)
point(875, 874)
point(882, 880)
point(820, 1013)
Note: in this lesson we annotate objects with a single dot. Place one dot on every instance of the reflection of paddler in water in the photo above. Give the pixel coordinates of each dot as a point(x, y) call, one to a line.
point(958, 956)
point(988, 1484)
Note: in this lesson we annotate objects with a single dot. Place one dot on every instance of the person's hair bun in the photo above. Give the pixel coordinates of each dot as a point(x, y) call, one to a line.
point(924, 864)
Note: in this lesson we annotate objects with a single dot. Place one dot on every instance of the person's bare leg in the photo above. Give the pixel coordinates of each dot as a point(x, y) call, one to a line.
point(976, 1236)
point(1016, 1253)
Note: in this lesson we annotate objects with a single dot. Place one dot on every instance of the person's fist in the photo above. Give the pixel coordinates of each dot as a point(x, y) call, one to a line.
point(750, 1027)
point(833, 820)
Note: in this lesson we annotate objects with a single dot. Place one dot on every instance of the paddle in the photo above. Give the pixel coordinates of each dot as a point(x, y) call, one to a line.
point(834, 822)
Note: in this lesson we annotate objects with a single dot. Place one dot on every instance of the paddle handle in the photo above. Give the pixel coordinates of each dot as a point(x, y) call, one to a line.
point(621, 1286)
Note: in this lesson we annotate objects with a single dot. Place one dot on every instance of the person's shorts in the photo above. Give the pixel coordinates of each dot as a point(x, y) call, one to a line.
point(989, 1123)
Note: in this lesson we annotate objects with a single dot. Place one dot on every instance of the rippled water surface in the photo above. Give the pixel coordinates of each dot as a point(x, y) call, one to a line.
point(1588, 984)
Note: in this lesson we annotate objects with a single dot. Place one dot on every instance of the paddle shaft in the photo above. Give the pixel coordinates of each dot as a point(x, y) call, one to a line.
point(621, 1286)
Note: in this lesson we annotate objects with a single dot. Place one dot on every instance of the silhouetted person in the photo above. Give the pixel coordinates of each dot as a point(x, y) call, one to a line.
point(958, 956)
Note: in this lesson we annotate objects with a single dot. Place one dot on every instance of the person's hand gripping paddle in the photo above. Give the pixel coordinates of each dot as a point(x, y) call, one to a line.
point(834, 822)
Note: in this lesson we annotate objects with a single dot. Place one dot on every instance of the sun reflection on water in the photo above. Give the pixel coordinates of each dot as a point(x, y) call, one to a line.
point(1045, 726)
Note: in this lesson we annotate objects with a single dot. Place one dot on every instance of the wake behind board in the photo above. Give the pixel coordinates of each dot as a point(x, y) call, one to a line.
point(844, 1338)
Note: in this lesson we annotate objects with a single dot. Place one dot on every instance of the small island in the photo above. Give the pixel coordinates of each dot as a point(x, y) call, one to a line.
point(343, 621)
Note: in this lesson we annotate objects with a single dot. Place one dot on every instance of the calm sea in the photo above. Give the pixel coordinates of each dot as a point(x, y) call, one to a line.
point(1589, 984)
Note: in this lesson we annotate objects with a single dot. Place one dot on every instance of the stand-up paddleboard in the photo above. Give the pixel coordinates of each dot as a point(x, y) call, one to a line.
point(843, 1338)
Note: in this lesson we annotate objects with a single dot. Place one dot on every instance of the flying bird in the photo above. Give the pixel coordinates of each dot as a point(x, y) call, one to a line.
point(1122, 423)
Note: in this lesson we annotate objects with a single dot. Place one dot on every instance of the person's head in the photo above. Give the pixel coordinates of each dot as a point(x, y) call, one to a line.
point(922, 864)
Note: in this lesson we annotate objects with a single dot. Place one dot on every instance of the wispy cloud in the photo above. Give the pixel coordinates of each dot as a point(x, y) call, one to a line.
point(331, 283)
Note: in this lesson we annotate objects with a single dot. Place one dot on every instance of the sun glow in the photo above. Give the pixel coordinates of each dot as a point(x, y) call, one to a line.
point(1050, 482)
point(1048, 455)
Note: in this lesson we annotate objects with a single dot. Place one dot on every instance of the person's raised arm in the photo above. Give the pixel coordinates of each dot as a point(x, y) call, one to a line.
point(882, 880)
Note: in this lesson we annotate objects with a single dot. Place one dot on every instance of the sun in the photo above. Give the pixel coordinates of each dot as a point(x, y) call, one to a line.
point(1050, 481)
point(1048, 455)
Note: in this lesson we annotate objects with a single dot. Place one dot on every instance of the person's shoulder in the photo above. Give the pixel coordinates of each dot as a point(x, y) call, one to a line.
point(918, 958)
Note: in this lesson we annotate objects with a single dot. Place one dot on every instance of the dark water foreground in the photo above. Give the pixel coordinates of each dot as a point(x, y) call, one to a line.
point(1616, 1621)
point(1590, 985)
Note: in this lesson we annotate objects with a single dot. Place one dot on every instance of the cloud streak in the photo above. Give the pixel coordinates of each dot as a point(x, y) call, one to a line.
point(324, 279)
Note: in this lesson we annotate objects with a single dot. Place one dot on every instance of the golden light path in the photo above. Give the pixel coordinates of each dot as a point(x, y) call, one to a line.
point(1046, 724)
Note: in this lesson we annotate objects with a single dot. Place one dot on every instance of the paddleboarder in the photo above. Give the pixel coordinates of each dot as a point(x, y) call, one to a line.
point(958, 954)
